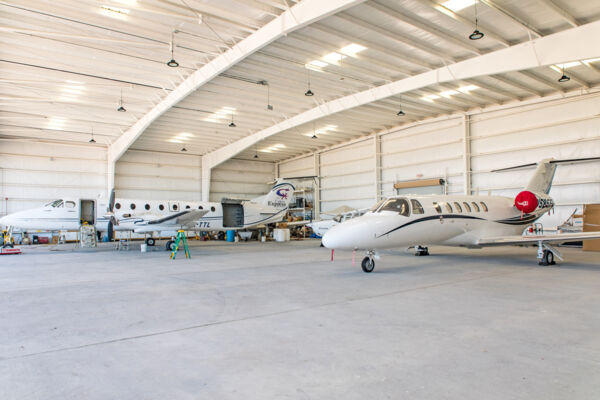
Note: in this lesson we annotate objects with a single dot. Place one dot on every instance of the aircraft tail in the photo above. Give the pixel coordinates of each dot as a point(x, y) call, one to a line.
point(541, 181)
point(278, 197)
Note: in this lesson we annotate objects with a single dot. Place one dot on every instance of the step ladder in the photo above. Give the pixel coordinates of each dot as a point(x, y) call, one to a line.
point(181, 240)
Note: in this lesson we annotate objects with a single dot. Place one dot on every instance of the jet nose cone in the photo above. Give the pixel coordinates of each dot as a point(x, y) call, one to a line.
point(336, 238)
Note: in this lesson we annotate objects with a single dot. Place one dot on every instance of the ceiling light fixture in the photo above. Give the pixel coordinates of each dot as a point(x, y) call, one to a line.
point(314, 135)
point(564, 77)
point(400, 113)
point(92, 139)
point(121, 108)
point(352, 49)
point(232, 124)
point(183, 149)
point(309, 92)
point(476, 35)
point(172, 63)
point(255, 151)
point(265, 83)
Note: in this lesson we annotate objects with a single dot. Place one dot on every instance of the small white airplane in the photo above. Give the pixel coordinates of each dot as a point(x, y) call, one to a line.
point(321, 227)
point(147, 217)
point(468, 221)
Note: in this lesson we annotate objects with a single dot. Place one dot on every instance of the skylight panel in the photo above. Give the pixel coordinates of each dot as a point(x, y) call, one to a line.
point(318, 63)
point(457, 5)
point(467, 88)
point(430, 97)
point(114, 12)
point(448, 93)
point(352, 49)
point(334, 58)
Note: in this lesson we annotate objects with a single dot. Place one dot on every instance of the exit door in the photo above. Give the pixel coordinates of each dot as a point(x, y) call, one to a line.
point(233, 215)
point(88, 212)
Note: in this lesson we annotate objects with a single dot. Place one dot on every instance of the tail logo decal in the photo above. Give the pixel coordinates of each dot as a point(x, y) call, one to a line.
point(283, 193)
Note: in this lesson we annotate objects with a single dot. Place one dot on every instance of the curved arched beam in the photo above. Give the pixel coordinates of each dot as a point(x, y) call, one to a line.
point(579, 43)
point(298, 16)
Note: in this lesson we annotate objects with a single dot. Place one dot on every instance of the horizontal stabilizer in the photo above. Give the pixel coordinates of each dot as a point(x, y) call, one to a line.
point(533, 240)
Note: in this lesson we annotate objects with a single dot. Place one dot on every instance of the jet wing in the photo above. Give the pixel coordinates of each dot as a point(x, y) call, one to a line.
point(533, 240)
point(187, 217)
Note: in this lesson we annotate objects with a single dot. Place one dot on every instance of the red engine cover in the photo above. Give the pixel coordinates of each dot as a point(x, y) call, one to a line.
point(526, 201)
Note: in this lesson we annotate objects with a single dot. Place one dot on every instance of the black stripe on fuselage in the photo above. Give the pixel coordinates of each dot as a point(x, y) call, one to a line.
point(431, 217)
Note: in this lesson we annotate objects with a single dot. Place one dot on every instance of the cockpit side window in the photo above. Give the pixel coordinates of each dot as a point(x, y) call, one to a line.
point(417, 208)
point(467, 206)
point(70, 204)
point(338, 218)
point(437, 207)
point(55, 203)
point(475, 206)
point(483, 206)
point(398, 205)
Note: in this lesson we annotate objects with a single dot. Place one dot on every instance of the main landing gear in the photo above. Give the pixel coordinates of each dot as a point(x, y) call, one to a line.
point(368, 263)
point(421, 251)
point(150, 241)
point(546, 254)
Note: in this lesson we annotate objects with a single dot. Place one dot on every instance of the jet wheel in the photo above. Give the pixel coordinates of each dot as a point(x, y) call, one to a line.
point(170, 245)
point(368, 264)
point(548, 258)
point(150, 241)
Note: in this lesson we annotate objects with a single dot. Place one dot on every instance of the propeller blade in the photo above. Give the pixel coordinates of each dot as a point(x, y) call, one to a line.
point(111, 231)
point(111, 202)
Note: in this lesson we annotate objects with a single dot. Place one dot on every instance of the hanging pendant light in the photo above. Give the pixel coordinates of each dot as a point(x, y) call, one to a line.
point(121, 108)
point(92, 139)
point(232, 124)
point(401, 113)
point(269, 106)
point(183, 149)
point(564, 77)
point(309, 92)
point(476, 35)
point(172, 63)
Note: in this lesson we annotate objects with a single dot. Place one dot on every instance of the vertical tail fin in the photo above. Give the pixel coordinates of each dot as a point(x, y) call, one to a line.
point(541, 181)
point(278, 197)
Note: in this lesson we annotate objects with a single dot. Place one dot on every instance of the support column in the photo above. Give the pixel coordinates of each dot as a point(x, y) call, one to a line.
point(317, 194)
point(206, 174)
point(467, 154)
point(377, 143)
point(110, 176)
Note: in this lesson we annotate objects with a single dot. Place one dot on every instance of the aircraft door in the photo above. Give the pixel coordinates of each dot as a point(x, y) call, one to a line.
point(88, 212)
point(233, 215)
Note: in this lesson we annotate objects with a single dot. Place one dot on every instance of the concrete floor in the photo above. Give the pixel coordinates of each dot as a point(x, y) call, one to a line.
point(279, 320)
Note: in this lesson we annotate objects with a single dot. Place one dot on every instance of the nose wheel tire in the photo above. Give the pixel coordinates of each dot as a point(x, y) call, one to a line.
point(368, 264)
point(150, 241)
point(170, 245)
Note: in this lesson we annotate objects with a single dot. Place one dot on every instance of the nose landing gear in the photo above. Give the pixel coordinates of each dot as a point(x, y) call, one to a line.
point(368, 263)
point(421, 251)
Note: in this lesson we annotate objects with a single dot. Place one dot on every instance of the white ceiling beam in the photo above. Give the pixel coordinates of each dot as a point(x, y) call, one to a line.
point(573, 44)
point(302, 14)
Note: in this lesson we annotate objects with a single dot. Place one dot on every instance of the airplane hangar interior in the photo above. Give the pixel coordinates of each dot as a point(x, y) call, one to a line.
point(300, 199)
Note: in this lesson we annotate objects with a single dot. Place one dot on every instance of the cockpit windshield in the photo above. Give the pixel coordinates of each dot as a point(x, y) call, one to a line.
point(55, 203)
point(376, 206)
point(338, 218)
point(399, 205)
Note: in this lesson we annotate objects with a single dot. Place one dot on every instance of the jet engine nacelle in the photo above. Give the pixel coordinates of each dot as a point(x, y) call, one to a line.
point(527, 202)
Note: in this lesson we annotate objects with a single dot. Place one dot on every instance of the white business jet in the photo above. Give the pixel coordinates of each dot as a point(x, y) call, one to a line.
point(147, 217)
point(468, 221)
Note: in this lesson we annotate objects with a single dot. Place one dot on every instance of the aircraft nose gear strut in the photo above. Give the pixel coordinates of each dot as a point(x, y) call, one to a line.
point(368, 263)
point(421, 251)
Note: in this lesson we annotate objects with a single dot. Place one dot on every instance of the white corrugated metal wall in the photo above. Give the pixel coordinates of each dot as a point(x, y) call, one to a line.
point(33, 174)
point(241, 179)
point(561, 128)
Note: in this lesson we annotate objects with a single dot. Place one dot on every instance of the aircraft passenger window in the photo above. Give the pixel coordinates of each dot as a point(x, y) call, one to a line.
point(132, 206)
point(187, 207)
point(475, 206)
point(448, 207)
point(70, 204)
point(147, 206)
point(118, 206)
point(437, 207)
point(398, 205)
point(200, 208)
point(417, 207)
point(212, 209)
point(174, 207)
point(467, 206)
point(161, 207)
point(483, 206)
point(458, 207)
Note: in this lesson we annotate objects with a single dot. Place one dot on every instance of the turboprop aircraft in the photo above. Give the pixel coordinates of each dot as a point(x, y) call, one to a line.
point(147, 217)
point(468, 221)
